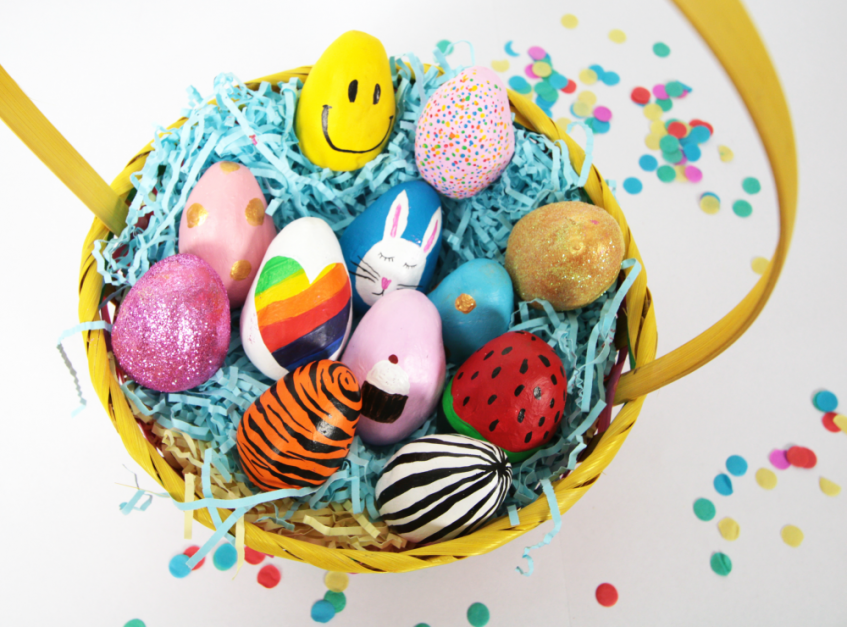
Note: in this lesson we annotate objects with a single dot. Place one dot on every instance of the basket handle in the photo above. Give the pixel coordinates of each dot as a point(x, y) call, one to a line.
point(48, 144)
point(729, 32)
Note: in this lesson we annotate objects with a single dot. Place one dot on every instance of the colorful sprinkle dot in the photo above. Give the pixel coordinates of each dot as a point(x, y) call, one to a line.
point(269, 576)
point(648, 163)
point(179, 566)
point(640, 96)
point(778, 459)
point(661, 50)
point(723, 485)
point(337, 582)
point(751, 185)
point(801, 457)
point(721, 564)
point(829, 488)
point(570, 21)
point(710, 203)
point(825, 401)
point(537, 53)
point(500, 66)
point(322, 611)
point(759, 265)
point(693, 173)
point(602, 113)
point(704, 509)
point(828, 420)
point(792, 536)
point(587, 76)
point(611, 78)
point(338, 600)
point(225, 557)
point(742, 208)
point(729, 529)
point(606, 594)
point(766, 478)
point(190, 551)
point(725, 153)
point(736, 465)
point(542, 69)
point(478, 615)
point(520, 85)
point(666, 174)
point(617, 35)
point(632, 185)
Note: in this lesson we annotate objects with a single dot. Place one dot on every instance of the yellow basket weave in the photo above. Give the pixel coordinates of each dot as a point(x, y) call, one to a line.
point(727, 29)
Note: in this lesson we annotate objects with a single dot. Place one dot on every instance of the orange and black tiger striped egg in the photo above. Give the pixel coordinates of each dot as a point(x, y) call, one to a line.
point(298, 432)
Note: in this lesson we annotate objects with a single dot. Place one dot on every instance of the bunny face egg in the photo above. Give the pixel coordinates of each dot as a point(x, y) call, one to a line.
point(465, 138)
point(224, 224)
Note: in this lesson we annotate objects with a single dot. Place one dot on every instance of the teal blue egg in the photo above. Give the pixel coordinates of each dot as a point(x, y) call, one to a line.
point(475, 302)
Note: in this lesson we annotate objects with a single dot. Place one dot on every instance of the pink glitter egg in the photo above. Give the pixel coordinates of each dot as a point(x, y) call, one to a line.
point(465, 138)
point(172, 329)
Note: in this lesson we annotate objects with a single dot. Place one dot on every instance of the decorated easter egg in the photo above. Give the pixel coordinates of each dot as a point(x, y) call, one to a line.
point(171, 332)
point(475, 302)
point(465, 137)
point(298, 309)
point(441, 486)
point(298, 432)
point(511, 392)
point(397, 354)
point(567, 253)
point(394, 243)
point(224, 223)
point(346, 109)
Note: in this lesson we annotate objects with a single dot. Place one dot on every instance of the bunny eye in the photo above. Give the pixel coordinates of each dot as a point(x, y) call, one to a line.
point(381, 256)
point(406, 265)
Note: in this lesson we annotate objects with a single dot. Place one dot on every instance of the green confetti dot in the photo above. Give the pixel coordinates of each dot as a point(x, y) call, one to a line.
point(704, 509)
point(445, 45)
point(666, 173)
point(669, 143)
point(421, 625)
point(742, 208)
point(674, 89)
point(661, 50)
point(338, 600)
point(751, 185)
point(478, 615)
point(721, 564)
point(135, 622)
point(665, 104)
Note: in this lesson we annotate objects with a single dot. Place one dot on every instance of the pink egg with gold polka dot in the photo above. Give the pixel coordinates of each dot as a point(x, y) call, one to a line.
point(465, 138)
point(224, 223)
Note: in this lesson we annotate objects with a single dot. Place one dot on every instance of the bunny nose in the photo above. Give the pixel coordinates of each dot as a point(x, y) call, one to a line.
point(385, 283)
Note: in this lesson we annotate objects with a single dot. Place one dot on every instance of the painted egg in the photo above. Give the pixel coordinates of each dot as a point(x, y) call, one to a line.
point(475, 302)
point(397, 354)
point(511, 392)
point(346, 109)
point(224, 223)
point(298, 309)
point(394, 244)
point(465, 138)
point(567, 253)
point(298, 432)
point(172, 329)
point(441, 486)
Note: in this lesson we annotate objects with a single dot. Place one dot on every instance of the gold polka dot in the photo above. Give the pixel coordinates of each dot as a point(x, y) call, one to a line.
point(197, 215)
point(465, 303)
point(240, 270)
point(229, 166)
point(255, 212)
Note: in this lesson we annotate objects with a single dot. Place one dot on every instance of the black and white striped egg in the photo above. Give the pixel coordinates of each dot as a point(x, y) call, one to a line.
point(441, 486)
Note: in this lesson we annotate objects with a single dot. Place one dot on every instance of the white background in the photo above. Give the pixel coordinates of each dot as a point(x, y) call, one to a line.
point(106, 74)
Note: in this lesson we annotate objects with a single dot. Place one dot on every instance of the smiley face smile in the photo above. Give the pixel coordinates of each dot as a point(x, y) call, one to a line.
point(325, 127)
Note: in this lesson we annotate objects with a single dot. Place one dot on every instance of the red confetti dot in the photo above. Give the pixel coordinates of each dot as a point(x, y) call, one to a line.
point(801, 457)
point(640, 96)
point(570, 87)
point(253, 557)
point(702, 123)
point(269, 576)
point(607, 594)
point(829, 422)
point(190, 551)
point(677, 129)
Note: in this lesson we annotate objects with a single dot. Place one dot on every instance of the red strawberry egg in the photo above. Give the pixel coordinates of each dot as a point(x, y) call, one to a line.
point(465, 138)
point(511, 392)
point(224, 223)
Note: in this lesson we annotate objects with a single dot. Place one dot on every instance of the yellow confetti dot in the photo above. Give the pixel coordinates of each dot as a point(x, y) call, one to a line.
point(617, 35)
point(680, 173)
point(542, 69)
point(589, 77)
point(588, 97)
point(500, 66)
point(841, 422)
point(570, 21)
point(830, 488)
point(653, 111)
point(563, 123)
point(657, 127)
point(581, 109)
point(652, 142)
point(729, 529)
point(337, 582)
point(711, 205)
point(765, 477)
point(759, 265)
point(792, 536)
point(725, 153)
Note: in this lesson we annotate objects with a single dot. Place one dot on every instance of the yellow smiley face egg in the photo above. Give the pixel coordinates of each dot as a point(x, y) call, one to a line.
point(346, 109)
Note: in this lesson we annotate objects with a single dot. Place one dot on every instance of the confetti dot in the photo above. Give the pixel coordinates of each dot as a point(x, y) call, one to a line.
point(751, 185)
point(135, 622)
point(640, 96)
point(557, 81)
point(509, 51)
point(338, 600)
point(828, 420)
point(617, 35)
point(742, 208)
point(337, 582)
point(692, 152)
point(611, 78)
point(721, 564)
point(674, 89)
point(648, 163)
point(676, 157)
point(661, 50)
point(710, 203)
point(599, 127)
point(666, 174)
point(537, 53)
point(725, 153)
point(500, 66)
point(825, 401)
point(677, 129)
point(652, 141)
point(528, 71)
point(570, 87)
point(547, 92)
point(632, 185)
point(581, 109)
point(570, 21)
point(657, 127)
point(520, 85)
point(693, 174)
point(778, 459)
point(659, 92)
point(829, 488)
point(699, 134)
point(736, 465)
point(179, 566)
point(801, 457)
point(607, 594)
point(652, 111)
point(792, 536)
point(669, 143)
point(190, 551)
point(252, 556)
point(665, 104)
point(841, 422)
point(759, 265)
point(542, 69)
point(445, 46)
point(322, 611)
point(563, 122)
point(766, 478)
point(729, 529)
point(421, 625)
point(704, 509)
point(709, 127)
point(723, 485)
point(478, 615)
point(225, 557)
point(589, 77)
point(588, 97)
point(269, 576)
point(602, 113)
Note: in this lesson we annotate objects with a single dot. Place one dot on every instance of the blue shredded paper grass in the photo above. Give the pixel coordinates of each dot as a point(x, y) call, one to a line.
point(255, 128)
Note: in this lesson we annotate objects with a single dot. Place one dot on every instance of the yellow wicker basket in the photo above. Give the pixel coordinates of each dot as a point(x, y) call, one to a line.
point(727, 29)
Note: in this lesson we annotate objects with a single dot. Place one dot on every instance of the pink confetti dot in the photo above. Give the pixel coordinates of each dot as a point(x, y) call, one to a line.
point(602, 114)
point(778, 459)
point(683, 94)
point(693, 174)
point(528, 71)
point(659, 92)
point(537, 53)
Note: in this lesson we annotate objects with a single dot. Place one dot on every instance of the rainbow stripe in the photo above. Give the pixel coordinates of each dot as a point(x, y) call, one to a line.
point(301, 322)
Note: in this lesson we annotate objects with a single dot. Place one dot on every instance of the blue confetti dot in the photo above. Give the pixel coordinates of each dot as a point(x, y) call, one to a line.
point(225, 557)
point(600, 127)
point(692, 151)
point(557, 81)
point(520, 85)
point(723, 485)
point(826, 401)
point(599, 71)
point(736, 465)
point(632, 185)
point(573, 113)
point(178, 566)
point(648, 163)
point(611, 78)
point(323, 611)
point(699, 134)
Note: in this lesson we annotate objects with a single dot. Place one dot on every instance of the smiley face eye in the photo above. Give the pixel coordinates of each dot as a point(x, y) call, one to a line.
point(377, 93)
point(352, 89)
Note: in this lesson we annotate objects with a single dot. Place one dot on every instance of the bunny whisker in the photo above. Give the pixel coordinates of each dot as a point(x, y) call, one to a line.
point(409, 286)
point(362, 261)
point(363, 276)
point(370, 273)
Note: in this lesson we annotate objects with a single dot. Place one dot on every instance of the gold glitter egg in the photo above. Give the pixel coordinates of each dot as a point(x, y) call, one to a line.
point(567, 253)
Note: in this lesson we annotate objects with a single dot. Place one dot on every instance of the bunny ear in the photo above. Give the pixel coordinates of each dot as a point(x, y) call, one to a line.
point(432, 231)
point(398, 217)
